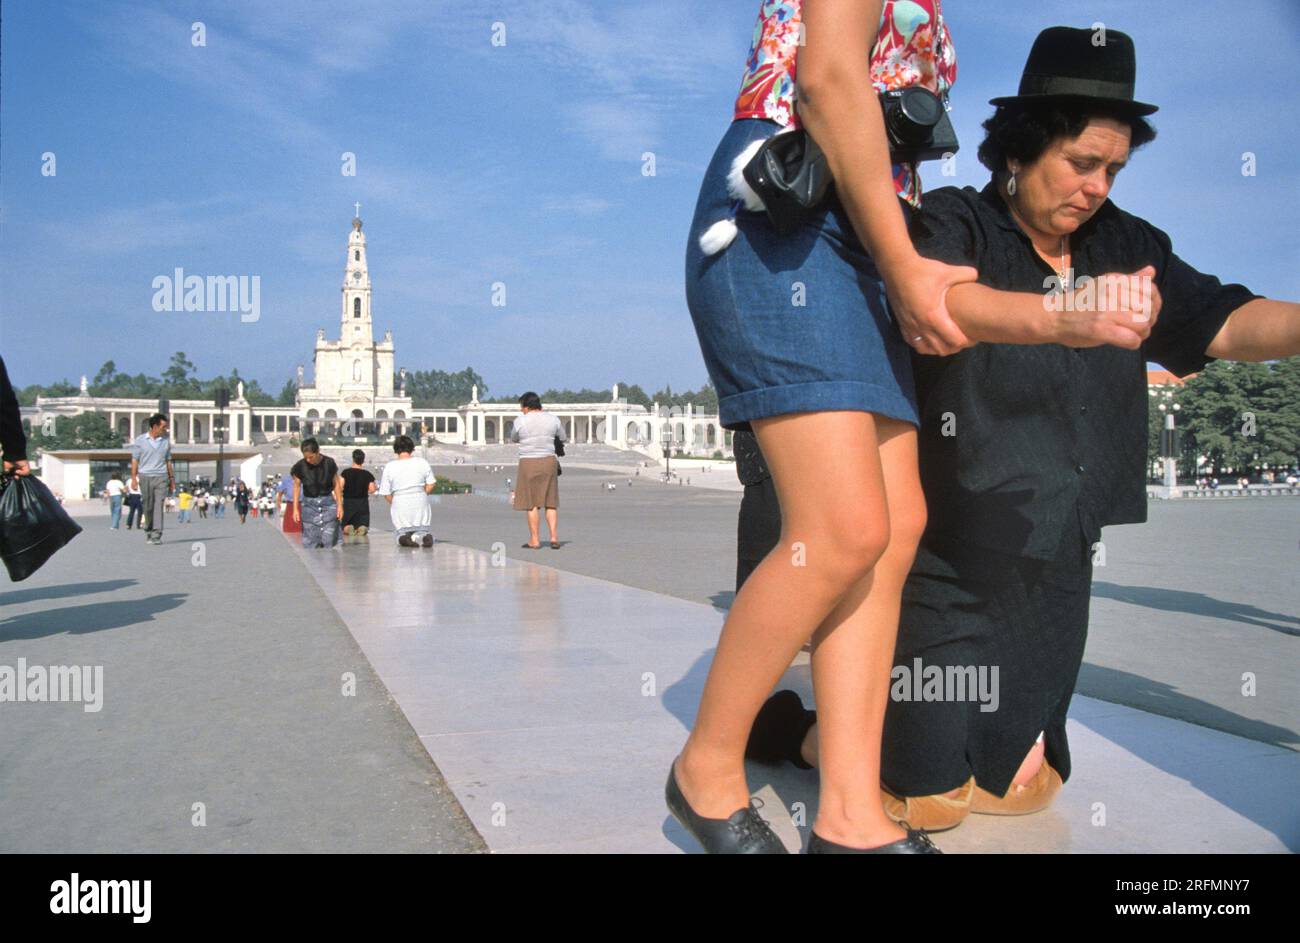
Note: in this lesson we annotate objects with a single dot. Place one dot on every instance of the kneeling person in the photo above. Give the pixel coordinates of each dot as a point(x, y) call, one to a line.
point(358, 486)
point(406, 484)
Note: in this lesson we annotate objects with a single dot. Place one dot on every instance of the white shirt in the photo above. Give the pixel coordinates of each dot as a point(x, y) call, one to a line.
point(536, 432)
point(406, 475)
point(114, 487)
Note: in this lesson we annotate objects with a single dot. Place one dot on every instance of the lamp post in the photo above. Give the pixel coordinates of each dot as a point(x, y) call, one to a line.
point(1168, 437)
point(668, 450)
point(223, 400)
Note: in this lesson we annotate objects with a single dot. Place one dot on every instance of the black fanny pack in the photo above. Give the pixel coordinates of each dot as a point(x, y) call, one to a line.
point(790, 172)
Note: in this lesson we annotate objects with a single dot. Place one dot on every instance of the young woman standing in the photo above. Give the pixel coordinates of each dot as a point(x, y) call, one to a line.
point(806, 337)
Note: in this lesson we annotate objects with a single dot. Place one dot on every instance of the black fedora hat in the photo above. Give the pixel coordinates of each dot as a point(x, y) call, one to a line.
point(1089, 65)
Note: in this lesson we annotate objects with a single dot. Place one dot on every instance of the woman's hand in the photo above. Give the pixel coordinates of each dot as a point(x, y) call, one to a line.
point(917, 290)
point(1116, 309)
point(297, 518)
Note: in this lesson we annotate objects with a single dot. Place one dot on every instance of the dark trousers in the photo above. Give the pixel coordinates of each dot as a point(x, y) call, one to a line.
point(759, 528)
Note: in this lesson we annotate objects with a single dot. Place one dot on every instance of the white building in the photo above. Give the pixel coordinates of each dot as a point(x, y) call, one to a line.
point(353, 395)
point(352, 377)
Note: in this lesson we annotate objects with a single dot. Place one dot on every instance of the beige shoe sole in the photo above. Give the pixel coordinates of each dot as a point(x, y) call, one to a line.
point(1034, 796)
point(932, 813)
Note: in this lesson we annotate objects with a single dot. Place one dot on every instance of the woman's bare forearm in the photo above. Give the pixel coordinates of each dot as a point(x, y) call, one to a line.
point(839, 108)
point(1262, 329)
point(991, 316)
point(1021, 317)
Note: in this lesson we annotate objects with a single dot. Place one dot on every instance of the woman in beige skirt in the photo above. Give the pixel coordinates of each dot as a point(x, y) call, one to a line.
point(537, 482)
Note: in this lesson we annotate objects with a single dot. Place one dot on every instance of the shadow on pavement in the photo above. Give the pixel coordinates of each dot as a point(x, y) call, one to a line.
point(81, 620)
point(1199, 604)
point(62, 591)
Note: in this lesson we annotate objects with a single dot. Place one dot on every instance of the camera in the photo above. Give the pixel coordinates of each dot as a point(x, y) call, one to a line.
point(916, 122)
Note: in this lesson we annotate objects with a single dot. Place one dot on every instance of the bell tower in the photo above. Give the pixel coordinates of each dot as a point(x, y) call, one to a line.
point(356, 327)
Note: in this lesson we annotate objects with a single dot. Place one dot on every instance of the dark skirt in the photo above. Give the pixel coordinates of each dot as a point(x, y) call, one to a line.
point(356, 512)
point(1022, 623)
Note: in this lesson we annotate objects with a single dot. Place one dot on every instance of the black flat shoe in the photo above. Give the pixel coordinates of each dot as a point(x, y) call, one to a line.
point(555, 545)
point(531, 546)
point(779, 731)
point(916, 843)
point(743, 833)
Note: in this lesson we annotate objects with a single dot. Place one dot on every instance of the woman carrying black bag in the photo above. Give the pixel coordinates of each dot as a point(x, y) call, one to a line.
point(33, 525)
point(12, 440)
point(541, 438)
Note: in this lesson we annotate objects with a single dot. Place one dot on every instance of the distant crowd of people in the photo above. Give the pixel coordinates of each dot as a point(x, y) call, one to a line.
point(325, 504)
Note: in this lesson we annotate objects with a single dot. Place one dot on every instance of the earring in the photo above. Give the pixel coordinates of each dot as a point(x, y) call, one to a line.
point(1011, 184)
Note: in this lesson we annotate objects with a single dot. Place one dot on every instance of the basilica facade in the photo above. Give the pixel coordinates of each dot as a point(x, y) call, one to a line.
point(356, 395)
point(352, 377)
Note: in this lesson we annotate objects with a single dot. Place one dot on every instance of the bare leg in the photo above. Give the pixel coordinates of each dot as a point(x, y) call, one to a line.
point(552, 522)
point(835, 527)
point(533, 537)
point(852, 653)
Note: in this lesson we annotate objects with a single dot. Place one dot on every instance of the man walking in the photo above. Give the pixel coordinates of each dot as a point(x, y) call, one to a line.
point(151, 465)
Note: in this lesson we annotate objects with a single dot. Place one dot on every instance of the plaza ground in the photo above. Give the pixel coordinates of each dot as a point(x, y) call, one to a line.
point(516, 700)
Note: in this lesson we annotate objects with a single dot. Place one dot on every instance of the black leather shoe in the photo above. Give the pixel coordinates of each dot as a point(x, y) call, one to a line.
point(916, 843)
point(743, 833)
point(779, 730)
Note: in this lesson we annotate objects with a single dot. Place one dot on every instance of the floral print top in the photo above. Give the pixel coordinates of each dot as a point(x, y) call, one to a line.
point(913, 47)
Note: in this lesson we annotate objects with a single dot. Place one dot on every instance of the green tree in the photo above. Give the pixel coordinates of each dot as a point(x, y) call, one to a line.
point(27, 394)
point(437, 389)
point(83, 431)
point(1280, 402)
point(288, 393)
point(179, 381)
point(1242, 416)
point(105, 374)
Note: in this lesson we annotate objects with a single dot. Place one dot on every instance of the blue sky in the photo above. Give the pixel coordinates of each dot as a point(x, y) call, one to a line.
point(519, 164)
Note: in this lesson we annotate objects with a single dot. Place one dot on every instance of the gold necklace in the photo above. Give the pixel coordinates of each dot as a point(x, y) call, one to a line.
point(1062, 271)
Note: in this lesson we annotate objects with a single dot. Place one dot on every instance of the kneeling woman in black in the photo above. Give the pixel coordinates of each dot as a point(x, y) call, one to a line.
point(1031, 442)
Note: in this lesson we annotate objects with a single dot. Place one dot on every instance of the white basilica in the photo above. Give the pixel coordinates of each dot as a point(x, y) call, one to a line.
point(353, 376)
point(353, 397)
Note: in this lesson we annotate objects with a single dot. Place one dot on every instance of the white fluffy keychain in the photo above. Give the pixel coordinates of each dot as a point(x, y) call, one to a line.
point(722, 233)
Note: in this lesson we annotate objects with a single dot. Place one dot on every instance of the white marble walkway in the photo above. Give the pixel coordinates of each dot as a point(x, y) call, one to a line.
point(553, 704)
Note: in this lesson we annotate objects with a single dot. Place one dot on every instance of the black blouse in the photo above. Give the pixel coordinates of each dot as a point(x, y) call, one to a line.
point(317, 480)
point(1018, 441)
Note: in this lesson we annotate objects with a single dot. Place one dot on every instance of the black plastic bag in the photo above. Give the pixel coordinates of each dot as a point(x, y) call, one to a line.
point(33, 525)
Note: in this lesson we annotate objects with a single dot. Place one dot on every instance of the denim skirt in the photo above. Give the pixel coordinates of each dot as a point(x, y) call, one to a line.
point(794, 323)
